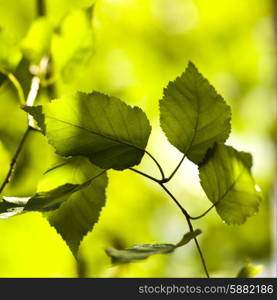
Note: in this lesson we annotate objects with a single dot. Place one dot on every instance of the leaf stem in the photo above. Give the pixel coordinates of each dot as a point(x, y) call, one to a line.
point(31, 126)
point(14, 159)
point(35, 85)
point(31, 98)
point(203, 214)
point(185, 213)
point(157, 163)
point(145, 175)
point(187, 216)
point(40, 8)
point(176, 169)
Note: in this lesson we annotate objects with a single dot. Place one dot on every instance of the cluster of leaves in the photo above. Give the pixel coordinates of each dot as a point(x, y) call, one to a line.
point(94, 132)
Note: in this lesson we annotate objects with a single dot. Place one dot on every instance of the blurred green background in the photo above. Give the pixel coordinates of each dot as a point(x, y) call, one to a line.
point(131, 49)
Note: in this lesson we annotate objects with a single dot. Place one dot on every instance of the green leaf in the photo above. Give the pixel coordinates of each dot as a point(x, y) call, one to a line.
point(36, 112)
point(249, 271)
point(188, 237)
point(226, 178)
point(105, 129)
point(36, 43)
point(78, 215)
point(143, 251)
point(12, 206)
point(193, 116)
point(73, 208)
point(43, 201)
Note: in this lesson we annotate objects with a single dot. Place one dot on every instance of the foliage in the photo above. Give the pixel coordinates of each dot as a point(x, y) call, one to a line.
point(96, 133)
point(104, 129)
point(113, 135)
point(192, 109)
point(226, 179)
point(142, 251)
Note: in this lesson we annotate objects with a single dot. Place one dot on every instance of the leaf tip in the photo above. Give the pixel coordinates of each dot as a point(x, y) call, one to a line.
point(191, 65)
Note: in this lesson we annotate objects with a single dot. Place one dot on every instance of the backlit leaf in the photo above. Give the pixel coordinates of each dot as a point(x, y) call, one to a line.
point(12, 206)
point(193, 115)
point(109, 132)
point(43, 201)
point(226, 178)
point(71, 195)
point(36, 112)
point(78, 215)
point(143, 251)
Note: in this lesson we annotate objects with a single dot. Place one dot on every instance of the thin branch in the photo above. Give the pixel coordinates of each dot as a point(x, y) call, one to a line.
point(33, 91)
point(145, 175)
point(14, 159)
point(41, 8)
point(157, 163)
point(31, 98)
point(204, 213)
point(200, 252)
point(176, 169)
point(31, 125)
point(185, 213)
point(39, 70)
point(187, 216)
